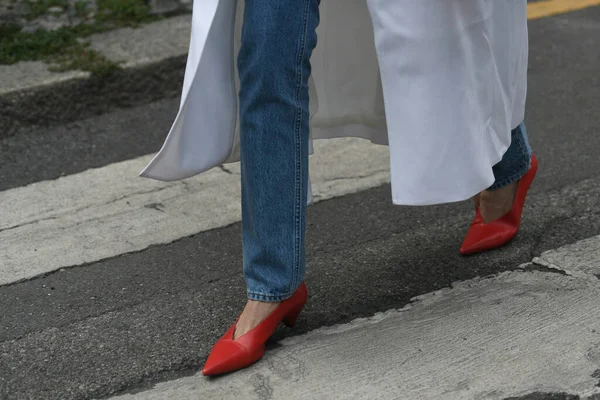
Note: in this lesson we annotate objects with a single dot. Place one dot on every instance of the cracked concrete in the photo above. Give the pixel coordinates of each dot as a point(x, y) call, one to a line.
point(581, 259)
point(520, 334)
point(549, 396)
point(524, 334)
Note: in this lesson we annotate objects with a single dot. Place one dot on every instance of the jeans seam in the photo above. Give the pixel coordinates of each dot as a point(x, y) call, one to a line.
point(298, 133)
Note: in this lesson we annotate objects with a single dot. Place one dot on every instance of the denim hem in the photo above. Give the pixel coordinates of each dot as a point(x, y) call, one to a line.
point(268, 297)
point(513, 178)
point(515, 162)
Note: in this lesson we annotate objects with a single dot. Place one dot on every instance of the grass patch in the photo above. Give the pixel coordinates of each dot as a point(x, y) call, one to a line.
point(37, 8)
point(124, 12)
point(60, 48)
point(85, 59)
point(18, 46)
point(64, 48)
point(81, 8)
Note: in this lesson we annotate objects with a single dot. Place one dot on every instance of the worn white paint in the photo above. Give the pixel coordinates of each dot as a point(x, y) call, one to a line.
point(151, 43)
point(580, 259)
point(108, 211)
point(27, 75)
point(510, 335)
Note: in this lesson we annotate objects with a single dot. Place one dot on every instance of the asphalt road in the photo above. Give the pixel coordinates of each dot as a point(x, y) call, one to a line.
point(121, 324)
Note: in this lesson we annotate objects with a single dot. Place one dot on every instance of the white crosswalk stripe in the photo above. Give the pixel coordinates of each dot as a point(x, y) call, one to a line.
point(108, 211)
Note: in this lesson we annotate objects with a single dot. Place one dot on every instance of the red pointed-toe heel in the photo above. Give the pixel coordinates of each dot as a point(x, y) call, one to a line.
point(290, 319)
point(230, 355)
point(482, 236)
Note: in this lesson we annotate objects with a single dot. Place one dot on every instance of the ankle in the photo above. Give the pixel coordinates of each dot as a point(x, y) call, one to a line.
point(253, 314)
point(494, 204)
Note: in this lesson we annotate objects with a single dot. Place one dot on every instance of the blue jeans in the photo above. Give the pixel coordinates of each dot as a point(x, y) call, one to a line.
point(515, 162)
point(278, 38)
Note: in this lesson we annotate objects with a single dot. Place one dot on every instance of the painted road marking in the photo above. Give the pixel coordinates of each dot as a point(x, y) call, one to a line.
point(548, 8)
point(108, 211)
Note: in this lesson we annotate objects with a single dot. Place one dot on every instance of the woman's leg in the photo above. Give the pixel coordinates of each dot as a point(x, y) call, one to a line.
point(278, 37)
point(498, 199)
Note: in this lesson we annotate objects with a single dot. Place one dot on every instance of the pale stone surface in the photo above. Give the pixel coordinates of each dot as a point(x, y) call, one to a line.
point(578, 259)
point(514, 334)
point(108, 211)
point(32, 74)
point(146, 44)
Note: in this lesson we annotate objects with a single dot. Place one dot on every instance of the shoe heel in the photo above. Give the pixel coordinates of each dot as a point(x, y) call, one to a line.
point(290, 319)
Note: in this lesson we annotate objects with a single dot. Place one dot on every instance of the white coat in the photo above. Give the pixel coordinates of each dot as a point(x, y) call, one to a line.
point(442, 82)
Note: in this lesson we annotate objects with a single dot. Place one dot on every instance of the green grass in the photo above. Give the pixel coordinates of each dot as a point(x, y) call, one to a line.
point(81, 8)
point(84, 59)
point(123, 12)
point(64, 48)
point(59, 48)
point(40, 7)
point(17, 46)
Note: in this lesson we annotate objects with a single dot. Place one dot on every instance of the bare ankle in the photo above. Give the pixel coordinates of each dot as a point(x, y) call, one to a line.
point(496, 203)
point(254, 313)
point(477, 199)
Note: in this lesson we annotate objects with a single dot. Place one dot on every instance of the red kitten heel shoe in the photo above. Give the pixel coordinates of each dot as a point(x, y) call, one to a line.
point(230, 355)
point(482, 236)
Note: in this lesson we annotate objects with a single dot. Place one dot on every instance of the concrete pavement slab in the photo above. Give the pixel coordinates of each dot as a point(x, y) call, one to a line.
point(147, 44)
point(488, 338)
point(580, 259)
point(32, 74)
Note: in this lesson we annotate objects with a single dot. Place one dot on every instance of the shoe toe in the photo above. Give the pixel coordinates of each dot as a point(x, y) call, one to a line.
point(482, 237)
point(228, 356)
